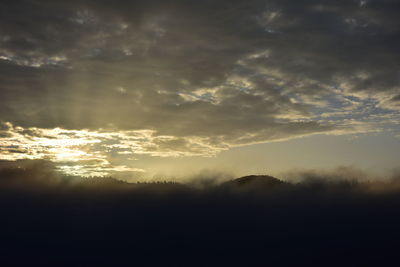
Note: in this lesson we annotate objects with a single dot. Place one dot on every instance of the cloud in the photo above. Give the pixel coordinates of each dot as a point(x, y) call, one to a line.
point(90, 85)
point(108, 152)
point(205, 76)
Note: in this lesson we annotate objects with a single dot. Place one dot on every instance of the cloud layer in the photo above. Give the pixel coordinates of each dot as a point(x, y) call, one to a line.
point(201, 77)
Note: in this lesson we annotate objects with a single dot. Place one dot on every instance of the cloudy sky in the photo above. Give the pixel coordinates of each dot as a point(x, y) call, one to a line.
point(142, 88)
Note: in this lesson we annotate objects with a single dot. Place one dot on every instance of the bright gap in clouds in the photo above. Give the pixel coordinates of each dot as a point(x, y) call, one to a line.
point(93, 153)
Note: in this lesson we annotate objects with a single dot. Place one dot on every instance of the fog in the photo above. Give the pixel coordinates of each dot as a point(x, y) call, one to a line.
point(320, 218)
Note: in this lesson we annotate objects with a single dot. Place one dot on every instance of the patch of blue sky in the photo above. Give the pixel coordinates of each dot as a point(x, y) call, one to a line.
point(355, 108)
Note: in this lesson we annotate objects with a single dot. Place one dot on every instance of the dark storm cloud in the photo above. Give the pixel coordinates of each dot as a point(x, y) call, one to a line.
point(233, 70)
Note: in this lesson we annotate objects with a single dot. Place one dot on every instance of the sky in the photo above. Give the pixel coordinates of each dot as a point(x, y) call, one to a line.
point(141, 89)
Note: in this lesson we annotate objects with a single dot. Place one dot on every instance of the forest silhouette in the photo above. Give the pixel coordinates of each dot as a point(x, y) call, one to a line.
point(53, 220)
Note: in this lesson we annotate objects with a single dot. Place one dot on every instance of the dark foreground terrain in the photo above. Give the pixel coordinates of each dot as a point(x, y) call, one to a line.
point(48, 220)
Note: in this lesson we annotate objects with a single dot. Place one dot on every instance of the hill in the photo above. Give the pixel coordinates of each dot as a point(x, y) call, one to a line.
point(254, 182)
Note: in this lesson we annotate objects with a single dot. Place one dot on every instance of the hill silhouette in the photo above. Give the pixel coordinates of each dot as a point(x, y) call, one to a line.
point(264, 181)
point(52, 220)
